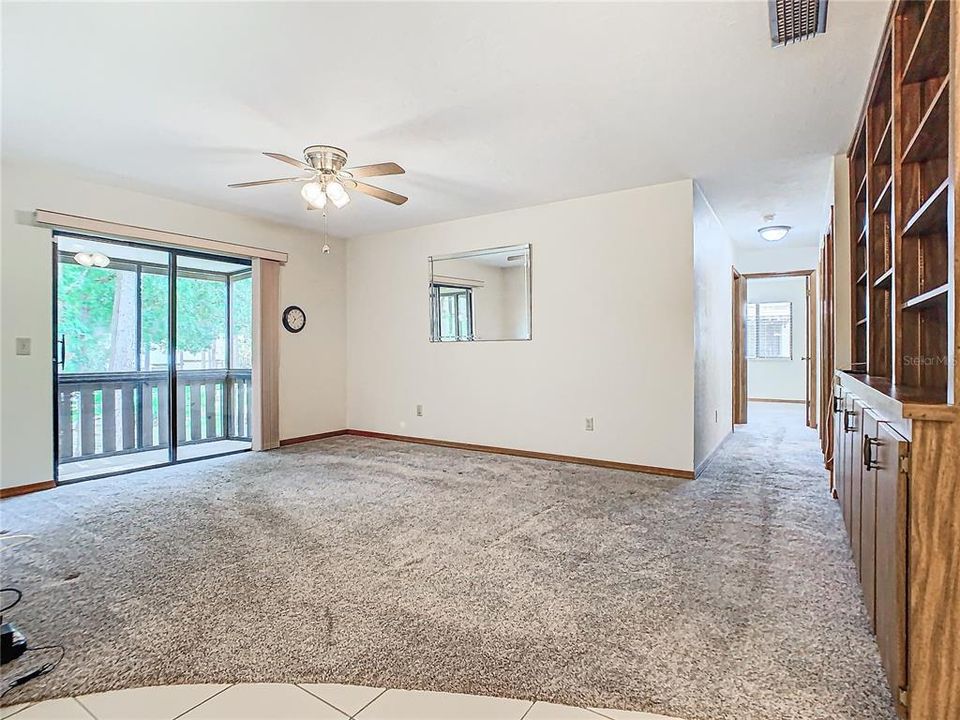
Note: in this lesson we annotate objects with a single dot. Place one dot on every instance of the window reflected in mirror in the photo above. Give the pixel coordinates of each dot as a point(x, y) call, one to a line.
point(481, 295)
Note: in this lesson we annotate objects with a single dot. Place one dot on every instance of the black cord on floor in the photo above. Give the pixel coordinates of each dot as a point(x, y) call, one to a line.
point(13, 590)
point(38, 672)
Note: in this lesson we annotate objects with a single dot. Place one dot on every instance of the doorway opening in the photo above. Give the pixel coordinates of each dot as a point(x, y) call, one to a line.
point(154, 356)
point(774, 346)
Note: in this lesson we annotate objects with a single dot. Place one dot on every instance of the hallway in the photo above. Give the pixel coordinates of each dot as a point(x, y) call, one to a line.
point(396, 565)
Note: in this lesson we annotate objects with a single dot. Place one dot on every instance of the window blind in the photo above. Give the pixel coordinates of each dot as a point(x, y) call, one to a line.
point(770, 330)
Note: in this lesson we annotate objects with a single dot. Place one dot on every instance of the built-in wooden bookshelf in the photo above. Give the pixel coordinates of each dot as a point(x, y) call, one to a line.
point(902, 181)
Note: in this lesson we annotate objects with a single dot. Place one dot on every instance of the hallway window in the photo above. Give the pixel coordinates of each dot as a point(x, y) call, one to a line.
point(770, 330)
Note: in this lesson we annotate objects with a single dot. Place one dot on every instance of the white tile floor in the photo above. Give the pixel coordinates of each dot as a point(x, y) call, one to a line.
point(300, 702)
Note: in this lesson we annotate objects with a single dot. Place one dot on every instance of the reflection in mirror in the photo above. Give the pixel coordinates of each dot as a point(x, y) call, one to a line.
point(481, 295)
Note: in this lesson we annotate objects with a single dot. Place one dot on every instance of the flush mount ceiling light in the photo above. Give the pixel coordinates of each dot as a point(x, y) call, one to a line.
point(88, 259)
point(773, 233)
point(328, 179)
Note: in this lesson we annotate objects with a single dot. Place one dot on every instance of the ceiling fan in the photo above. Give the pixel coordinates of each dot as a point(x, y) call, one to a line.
point(328, 179)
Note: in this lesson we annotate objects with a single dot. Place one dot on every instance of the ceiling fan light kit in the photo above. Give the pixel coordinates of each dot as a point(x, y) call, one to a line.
point(328, 179)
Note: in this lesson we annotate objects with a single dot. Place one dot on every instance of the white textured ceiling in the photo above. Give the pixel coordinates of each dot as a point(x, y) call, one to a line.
point(489, 106)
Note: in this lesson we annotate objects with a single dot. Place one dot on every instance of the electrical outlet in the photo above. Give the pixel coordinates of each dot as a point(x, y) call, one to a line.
point(419, 410)
point(588, 425)
point(23, 346)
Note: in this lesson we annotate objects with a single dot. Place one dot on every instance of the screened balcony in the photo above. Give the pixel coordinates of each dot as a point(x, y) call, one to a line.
point(149, 319)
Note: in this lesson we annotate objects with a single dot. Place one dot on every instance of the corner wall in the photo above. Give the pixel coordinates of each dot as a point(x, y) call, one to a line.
point(713, 329)
point(312, 371)
point(612, 333)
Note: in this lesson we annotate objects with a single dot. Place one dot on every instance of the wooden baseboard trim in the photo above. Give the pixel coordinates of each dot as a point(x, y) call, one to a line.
point(310, 438)
point(24, 489)
point(713, 453)
point(777, 400)
point(611, 464)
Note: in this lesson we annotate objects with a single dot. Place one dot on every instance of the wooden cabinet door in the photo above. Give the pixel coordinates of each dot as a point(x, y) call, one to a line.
point(868, 514)
point(891, 556)
point(838, 466)
point(856, 480)
point(849, 428)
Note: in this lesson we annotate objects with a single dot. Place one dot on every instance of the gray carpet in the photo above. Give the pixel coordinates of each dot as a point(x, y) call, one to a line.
point(390, 564)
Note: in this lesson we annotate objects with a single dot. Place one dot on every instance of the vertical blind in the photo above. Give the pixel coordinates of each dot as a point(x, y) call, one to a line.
point(770, 330)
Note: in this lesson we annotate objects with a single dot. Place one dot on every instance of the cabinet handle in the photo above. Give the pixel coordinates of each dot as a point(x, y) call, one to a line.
point(869, 462)
point(847, 414)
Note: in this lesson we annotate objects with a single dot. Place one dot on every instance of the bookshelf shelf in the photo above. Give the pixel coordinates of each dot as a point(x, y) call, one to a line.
point(902, 209)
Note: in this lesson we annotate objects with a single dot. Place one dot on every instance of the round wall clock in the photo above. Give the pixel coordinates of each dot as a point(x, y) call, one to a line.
point(294, 319)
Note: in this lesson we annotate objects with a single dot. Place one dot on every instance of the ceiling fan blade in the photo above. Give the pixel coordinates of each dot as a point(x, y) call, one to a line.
point(289, 161)
point(364, 171)
point(267, 182)
point(378, 193)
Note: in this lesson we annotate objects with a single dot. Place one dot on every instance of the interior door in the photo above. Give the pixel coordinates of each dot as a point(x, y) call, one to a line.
point(891, 556)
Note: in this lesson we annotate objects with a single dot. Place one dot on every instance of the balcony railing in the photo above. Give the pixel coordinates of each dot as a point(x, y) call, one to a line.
point(104, 414)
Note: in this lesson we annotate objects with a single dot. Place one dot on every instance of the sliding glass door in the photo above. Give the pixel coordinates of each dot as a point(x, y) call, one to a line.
point(213, 357)
point(132, 322)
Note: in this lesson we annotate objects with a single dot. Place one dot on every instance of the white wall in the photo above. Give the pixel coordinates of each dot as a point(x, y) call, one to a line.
point(777, 259)
point(312, 372)
point(780, 379)
point(612, 333)
point(713, 329)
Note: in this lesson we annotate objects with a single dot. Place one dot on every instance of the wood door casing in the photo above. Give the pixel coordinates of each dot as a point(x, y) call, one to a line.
point(738, 320)
point(891, 558)
point(827, 357)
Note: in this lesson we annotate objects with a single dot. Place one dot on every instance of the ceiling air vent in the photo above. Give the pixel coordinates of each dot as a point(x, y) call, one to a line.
point(795, 20)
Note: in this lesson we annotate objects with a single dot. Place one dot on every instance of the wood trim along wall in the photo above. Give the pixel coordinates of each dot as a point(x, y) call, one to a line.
point(613, 465)
point(778, 400)
point(739, 363)
point(813, 392)
point(134, 232)
point(24, 489)
point(311, 438)
point(713, 454)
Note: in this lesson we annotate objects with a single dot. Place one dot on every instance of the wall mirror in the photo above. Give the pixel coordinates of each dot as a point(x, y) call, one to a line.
point(481, 295)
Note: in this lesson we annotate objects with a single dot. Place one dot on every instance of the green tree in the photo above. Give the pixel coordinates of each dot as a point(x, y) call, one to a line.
point(89, 314)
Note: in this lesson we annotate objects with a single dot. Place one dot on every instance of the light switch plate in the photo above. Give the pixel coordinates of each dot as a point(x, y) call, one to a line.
point(23, 346)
